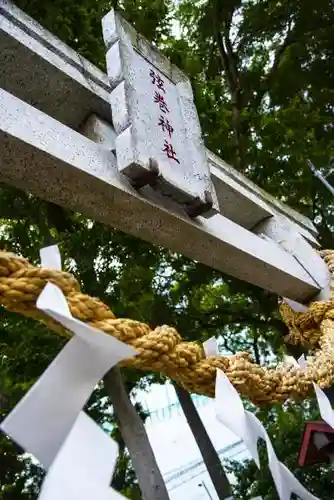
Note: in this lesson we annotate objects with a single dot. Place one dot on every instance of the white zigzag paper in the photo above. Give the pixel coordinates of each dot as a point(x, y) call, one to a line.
point(302, 361)
point(231, 413)
point(210, 347)
point(43, 420)
point(325, 407)
point(324, 404)
point(246, 426)
point(50, 257)
point(84, 466)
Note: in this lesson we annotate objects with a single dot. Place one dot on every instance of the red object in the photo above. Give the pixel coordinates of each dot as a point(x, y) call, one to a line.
point(309, 454)
point(169, 150)
point(165, 125)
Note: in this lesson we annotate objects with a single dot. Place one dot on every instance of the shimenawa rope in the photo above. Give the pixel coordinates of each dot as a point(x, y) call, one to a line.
point(163, 350)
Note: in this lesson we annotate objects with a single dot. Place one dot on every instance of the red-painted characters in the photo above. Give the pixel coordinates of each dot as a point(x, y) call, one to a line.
point(169, 150)
point(160, 99)
point(157, 80)
point(165, 125)
point(163, 122)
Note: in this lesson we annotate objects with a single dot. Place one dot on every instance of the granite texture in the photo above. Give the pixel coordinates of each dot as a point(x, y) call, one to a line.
point(43, 71)
point(41, 155)
point(40, 69)
point(155, 117)
point(56, 163)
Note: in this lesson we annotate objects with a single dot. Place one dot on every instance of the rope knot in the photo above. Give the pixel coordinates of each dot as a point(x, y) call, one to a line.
point(21, 283)
point(305, 327)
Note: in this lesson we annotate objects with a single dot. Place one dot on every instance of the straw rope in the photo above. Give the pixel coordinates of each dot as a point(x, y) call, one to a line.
point(163, 350)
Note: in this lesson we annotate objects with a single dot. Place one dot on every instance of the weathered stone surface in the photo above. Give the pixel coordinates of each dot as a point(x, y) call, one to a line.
point(155, 118)
point(54, 162)
point(246, 204)
point(40, 69)
point(43, 71)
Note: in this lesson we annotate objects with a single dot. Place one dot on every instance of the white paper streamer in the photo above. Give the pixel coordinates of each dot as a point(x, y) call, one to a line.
point(250, 429)
point(56, 399)
point(302, 361)
point(84, 466)
point(325, 407)
point(43, 418)
point(295, 306)
point(291, 361)
point(298, 363)
point(210, 347)
point(246, 426)
point(50, 257)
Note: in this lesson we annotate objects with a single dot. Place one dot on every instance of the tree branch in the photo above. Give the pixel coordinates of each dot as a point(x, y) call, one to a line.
point(229, 65)
point(232, 58)
point(280, 51)
point(223, 55)
point(256, 349)
point(244, 317)
point(288, 41)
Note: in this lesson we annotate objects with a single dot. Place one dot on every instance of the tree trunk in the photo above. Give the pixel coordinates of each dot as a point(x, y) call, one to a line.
point(208, 452)
point(134, 434)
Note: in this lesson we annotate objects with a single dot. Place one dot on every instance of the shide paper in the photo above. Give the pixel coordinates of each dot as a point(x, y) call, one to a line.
point(325, 407)
point(231, 413)
point(295, 306)
point(210, 347)
point(83, 468)
point(302, 361)
point(50, 257)
point(44, 417)
point(246, 426)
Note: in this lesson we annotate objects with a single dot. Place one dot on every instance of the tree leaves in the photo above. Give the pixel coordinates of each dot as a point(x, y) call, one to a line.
point(262, 75)
point(285, 427)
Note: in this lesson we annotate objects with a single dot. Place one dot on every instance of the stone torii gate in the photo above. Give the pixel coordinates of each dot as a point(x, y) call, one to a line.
point(126, 149)
point(58, 141)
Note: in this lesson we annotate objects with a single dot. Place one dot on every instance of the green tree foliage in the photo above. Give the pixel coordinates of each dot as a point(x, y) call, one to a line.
point(28, 348)
point(262, 75)
point(79, 23)
point(284, 425)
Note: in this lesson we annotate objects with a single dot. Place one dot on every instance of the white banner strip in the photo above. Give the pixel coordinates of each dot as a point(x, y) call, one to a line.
point(246, 426)
point(50, 257)
point(325, 407)
point(84, 466)
point(210, 347)
point(231, 413)
point(43, 418)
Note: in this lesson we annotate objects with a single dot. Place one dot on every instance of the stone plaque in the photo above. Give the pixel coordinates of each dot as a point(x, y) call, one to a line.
point(159, 140)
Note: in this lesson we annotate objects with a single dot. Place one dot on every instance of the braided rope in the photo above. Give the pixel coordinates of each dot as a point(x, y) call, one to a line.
point(162, 349)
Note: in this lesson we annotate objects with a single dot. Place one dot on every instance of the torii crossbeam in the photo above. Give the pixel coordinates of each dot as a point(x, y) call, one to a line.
point(57, 140)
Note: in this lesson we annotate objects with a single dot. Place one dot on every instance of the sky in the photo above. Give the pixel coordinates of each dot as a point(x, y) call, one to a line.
point(175, 448)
